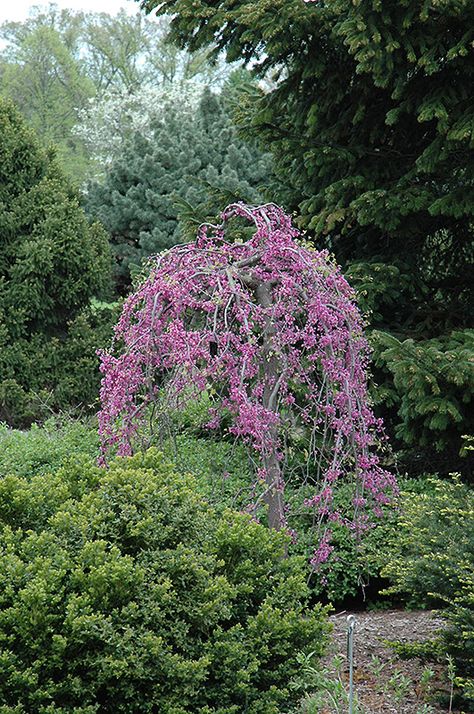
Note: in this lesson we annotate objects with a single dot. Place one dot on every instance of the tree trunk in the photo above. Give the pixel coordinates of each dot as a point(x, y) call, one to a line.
point(271, 373)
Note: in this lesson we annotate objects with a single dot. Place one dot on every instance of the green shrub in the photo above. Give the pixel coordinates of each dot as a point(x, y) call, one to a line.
point(225, 475)
point(354, 563)
point(431, 563)
point(44, 374)
point(222, 469)
point(45, 449)
point(124, 591)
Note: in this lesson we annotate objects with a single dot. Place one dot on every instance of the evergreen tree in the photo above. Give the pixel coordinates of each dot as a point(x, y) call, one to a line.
point(51, 264)
point(182, 160)
point(371, 123)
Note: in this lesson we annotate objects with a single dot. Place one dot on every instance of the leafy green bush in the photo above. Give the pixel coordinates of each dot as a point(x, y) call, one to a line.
point(45, 449)
point(354, 563)
point(124, 591)
point(224, 475)
point(431, 563)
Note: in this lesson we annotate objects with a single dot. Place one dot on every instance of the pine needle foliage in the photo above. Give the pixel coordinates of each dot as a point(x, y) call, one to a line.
point(184, 163)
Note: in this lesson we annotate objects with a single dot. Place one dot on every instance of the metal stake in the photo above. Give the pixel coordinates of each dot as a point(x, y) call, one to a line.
point(351, 622)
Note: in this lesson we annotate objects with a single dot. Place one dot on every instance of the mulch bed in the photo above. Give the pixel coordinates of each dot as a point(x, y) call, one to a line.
point(384, 682)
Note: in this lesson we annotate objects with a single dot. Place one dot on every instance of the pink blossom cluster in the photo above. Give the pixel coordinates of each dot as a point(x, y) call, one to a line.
point(271, 329)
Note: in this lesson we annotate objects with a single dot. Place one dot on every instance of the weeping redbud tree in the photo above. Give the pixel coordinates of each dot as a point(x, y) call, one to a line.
point(271, 331)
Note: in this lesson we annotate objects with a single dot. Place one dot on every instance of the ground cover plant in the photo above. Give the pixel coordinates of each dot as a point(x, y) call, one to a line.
point(124, 591)
point(44, 449)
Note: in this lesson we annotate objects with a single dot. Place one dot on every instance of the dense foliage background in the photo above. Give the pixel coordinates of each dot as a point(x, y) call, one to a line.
point(188, 156)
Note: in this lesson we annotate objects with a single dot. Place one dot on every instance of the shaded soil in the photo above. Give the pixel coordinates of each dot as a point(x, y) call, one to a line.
point(385, 683)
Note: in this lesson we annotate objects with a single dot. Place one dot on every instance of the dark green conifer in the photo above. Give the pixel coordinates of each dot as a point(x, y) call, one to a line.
point(51, 264)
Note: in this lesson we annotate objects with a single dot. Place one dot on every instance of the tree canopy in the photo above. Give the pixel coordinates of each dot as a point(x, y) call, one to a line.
point(57, 64)
point(45, 79)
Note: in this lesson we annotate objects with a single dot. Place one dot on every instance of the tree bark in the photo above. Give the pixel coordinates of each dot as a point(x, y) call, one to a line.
point(271, 374)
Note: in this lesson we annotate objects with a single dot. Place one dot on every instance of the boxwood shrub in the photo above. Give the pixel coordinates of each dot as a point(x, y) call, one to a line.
point(122, 590)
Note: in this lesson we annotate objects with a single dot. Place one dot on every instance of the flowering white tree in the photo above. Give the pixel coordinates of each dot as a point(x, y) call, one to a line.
point(109, 120)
